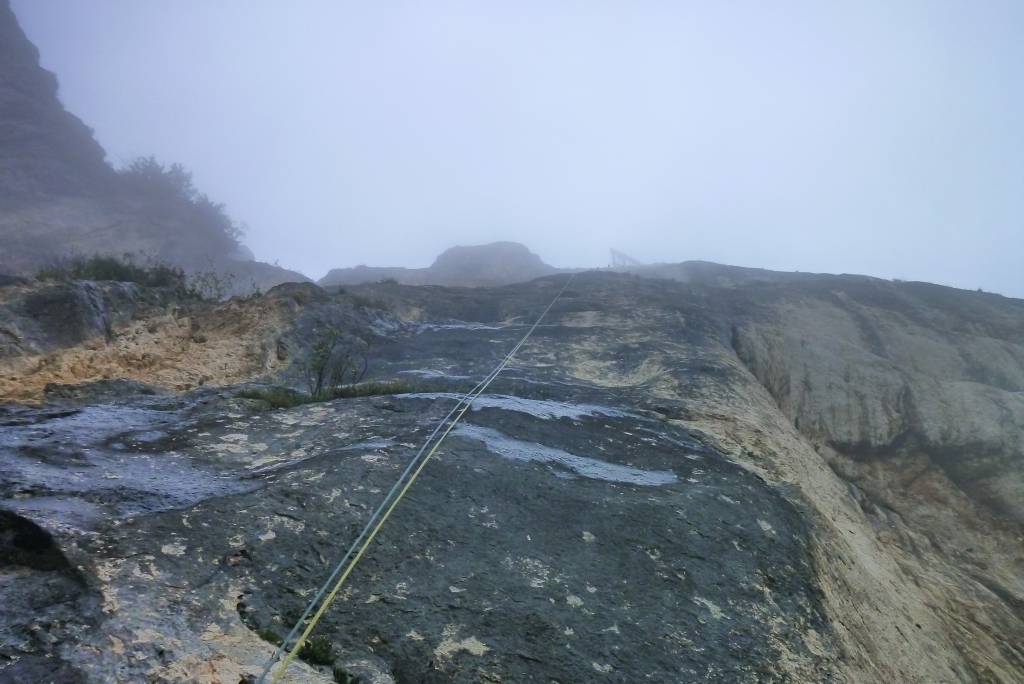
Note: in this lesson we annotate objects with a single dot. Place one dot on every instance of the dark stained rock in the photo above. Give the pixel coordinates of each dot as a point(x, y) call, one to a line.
point(23, 542)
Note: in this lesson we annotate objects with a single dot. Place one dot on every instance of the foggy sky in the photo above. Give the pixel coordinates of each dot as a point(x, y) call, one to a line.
point(884, 138)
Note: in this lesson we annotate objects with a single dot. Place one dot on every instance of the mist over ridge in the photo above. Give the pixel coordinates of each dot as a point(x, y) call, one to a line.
point(861, 138)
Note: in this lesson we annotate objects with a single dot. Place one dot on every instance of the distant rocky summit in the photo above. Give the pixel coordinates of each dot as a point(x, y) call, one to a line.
point(499, 263)
point(58, 196)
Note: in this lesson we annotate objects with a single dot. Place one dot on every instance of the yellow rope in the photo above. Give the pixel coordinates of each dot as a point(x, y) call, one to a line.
point(416, 473)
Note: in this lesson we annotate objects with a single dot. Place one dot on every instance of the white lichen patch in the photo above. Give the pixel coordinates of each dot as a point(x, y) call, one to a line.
point(449, 646)
point(574, 601)
point(267, 536)
point(173, 549)
point(258, 447)
point(237, 437)
point(534, 570)
point(266, 460)
point(414, 635)
point(290, 524)
point(147, 636)
point(603, 669)
point(766, 527)
point(588, 537)
point(110, 603)
point(108, 570)
point(716, 612)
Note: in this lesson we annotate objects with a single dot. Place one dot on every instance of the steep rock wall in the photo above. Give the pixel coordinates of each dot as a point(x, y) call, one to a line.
point(914, 395)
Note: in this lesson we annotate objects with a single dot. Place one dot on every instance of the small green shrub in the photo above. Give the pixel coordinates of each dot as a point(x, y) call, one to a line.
point(342, 677)
point(211, 284)
point(317, 651)
point(388, 281)
point(269, 636)
point(334, 361)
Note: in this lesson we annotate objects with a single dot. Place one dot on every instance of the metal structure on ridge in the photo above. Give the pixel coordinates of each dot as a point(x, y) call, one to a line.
point(620, 259)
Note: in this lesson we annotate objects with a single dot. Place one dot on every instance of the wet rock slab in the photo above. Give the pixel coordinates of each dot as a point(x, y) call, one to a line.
point(562, 533)
point(601, 545)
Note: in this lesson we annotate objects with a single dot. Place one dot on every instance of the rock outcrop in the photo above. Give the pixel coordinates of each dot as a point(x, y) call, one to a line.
point(59, 197)
point(46, 150)
point(492, 265)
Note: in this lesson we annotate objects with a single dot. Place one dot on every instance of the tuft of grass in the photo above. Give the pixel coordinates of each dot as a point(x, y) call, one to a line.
point(342, 677)
point(285, 397)
point(317, 650)
point(371, 389)
point(269, 635)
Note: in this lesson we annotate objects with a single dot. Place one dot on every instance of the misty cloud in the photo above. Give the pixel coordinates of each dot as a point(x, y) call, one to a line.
point(877, 138)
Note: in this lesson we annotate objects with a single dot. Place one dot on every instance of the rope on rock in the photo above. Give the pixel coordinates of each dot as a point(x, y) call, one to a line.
point(458, 411)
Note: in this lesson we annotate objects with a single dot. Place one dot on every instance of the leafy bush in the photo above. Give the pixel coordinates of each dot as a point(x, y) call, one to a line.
point(317, 650)
point(388, 281)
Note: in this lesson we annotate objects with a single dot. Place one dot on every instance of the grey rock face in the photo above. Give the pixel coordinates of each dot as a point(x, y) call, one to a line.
point(673, 482)
point(45, 150)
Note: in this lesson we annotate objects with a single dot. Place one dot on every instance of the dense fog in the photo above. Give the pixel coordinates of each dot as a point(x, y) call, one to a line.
point(865, 137)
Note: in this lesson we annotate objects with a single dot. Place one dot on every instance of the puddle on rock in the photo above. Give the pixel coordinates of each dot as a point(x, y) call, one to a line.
point(507, 447)
point(539, 408)
point(70, 471)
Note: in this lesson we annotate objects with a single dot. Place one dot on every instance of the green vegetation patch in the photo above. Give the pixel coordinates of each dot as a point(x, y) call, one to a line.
point(120, 269)
point(317, 650)
point(285, 397)
point(269, 636)
point(209, 285)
